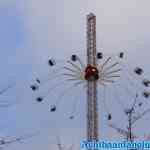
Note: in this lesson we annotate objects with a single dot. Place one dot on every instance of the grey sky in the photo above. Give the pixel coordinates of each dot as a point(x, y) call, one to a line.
point(31, 31)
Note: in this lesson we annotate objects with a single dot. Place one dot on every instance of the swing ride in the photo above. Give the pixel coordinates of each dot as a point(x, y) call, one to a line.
point(102, 73)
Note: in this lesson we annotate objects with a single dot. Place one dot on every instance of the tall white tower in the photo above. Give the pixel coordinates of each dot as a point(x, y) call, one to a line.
point(92, 106)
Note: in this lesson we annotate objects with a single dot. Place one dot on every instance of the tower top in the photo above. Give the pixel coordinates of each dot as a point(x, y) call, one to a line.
point(90, 16)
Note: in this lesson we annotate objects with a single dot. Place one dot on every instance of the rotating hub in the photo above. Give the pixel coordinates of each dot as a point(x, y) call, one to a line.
point(91, 73)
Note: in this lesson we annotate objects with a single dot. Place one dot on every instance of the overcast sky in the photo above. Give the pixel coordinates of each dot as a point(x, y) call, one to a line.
point(31, 31)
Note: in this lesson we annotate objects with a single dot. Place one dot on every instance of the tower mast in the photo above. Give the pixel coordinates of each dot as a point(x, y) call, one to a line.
point(92, 106)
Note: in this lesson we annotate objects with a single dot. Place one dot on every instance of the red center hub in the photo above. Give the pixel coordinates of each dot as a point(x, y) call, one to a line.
point(91, 73)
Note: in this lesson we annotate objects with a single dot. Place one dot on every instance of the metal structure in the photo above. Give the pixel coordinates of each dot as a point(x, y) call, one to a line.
point(98, 70)
point(92, 107)
point(134, 112)
point(132, 117)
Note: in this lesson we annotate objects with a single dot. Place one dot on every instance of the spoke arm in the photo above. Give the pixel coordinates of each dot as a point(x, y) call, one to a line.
point(74, 65)
point(73, 79)
point(106, 80)
point(114, 71)
point(110, 67)
point(70, 75)
point(72, 70)
point(101, 83)
point(115, 76)
point(74, 76)
point(81, 63)
point(106, 62)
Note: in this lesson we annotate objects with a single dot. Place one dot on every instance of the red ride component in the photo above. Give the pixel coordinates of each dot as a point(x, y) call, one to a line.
point(91, 73)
